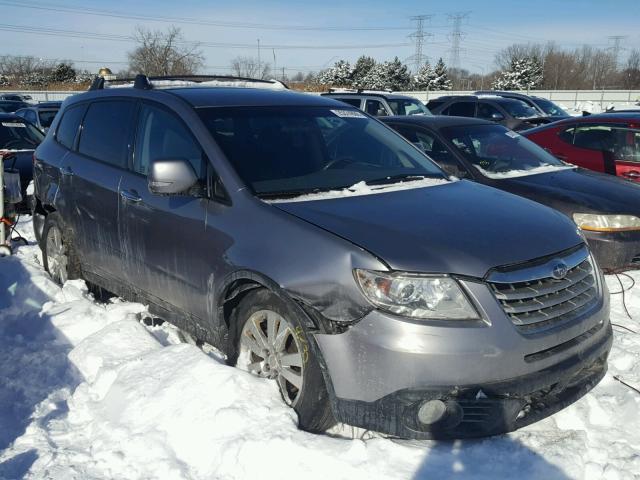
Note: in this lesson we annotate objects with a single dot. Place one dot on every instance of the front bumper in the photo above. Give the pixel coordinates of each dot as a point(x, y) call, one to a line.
point(383, 368)
point(615, 251)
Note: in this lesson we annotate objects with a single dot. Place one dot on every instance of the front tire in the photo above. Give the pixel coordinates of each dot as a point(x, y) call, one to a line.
point(58, 252)
point(272, 343)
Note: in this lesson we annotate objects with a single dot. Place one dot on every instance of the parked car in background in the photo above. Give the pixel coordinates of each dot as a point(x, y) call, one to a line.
point(380, 104)
point(544, 106)
point(319, 249)
point(10, 106)
point(510, 112)
point(40, 115)
point(18, 140)
point(608, 142)
point(16, 97)
point(605, 208)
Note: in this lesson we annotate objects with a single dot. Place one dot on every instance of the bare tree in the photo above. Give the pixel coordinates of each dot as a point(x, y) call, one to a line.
point(164, 53)
point(630, 76)
point(17, 68)
point(250, 67)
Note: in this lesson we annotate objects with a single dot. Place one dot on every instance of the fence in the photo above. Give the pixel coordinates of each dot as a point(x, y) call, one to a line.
point(569, 98)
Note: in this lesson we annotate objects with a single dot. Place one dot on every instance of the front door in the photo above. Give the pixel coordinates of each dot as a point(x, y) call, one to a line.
point(162, 238)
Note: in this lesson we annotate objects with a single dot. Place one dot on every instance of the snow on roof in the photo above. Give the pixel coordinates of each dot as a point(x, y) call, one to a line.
point(160, 84)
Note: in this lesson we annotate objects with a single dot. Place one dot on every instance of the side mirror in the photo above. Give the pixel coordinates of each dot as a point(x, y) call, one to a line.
point(171, 177)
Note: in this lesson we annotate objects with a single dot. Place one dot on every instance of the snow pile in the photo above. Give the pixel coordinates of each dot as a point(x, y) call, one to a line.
point(362, 188)
point(93, 394)
point(524, 173)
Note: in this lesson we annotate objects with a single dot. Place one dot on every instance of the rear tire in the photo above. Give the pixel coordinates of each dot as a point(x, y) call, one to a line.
point(58, 252)
point(271, 343)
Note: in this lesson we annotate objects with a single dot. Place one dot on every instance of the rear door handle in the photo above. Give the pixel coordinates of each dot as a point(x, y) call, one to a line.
point(67, 171)
point(130, 196)
point(634, 175)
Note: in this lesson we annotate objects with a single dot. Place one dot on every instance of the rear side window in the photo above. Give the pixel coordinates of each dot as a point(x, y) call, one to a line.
point(163, 136)
point(106, 131)
point(354, 102)
point(461, 109)
point(69, 125)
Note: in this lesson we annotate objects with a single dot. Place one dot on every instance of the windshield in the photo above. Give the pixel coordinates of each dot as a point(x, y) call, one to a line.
point(550, 108)
point(494, 149)
point(18, 135)
point(283, 151)
point(46, 117)
point(404, 106)
point(519, 109)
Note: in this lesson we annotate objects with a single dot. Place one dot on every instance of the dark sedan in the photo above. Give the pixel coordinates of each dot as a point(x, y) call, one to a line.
point(18, 140)
point(606, 208)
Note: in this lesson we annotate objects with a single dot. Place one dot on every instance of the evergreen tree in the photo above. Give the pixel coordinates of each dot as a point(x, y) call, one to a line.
point(398, 75)
point(338, 76)
point(361, 68)
point(440, 79)
point(64, 72)
point(524, 73)
point(422, 79)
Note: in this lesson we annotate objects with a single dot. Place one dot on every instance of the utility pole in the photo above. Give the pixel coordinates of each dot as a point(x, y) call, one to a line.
point(616, 48)
point(419, 37)
point(456, 37)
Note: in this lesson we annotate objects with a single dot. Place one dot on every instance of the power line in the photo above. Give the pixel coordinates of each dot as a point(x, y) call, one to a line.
point(46, 31)
point(418, 37)
point(53, 7)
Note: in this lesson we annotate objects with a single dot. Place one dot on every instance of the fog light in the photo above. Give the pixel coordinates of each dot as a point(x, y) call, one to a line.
point(431, 412)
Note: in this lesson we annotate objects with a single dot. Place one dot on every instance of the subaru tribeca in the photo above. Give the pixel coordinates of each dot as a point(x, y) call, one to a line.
point(317, 248)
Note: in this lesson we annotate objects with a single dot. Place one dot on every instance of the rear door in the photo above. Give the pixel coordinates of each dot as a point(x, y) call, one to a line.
point(94, 172)
point(627, 153)
point(162, 238)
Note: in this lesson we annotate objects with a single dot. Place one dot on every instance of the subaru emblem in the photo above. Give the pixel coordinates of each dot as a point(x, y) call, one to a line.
point(560, 270)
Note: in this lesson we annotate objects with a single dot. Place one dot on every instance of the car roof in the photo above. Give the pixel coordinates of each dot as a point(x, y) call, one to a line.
point(623, 117)
point(387, 95)
point(205, 96)
point(436, 121)
point(10, 116)
point(484, 97)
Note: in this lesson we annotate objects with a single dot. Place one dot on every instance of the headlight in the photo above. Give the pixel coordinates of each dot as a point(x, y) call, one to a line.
point(606, 223)
point(416, 296)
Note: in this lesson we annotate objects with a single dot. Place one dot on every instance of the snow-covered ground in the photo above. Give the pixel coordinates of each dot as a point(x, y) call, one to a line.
point(87, 391)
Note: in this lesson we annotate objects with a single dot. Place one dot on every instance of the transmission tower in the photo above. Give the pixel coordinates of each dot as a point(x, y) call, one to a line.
point(456, 37)
point(419, 37)
point(616, 48)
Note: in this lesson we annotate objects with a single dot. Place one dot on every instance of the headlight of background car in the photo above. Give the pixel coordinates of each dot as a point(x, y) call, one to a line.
point(606, 223)
point(425, 297)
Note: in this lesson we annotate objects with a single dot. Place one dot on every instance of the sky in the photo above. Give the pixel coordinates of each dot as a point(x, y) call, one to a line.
point(95, 33)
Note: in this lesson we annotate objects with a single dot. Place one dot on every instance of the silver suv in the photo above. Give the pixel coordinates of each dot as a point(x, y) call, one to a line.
point(319, 249)
point(379, 104)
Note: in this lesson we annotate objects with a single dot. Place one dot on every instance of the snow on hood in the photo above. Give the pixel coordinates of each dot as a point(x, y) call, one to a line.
point(362, 188)
point(523, 173)
point(88, 392)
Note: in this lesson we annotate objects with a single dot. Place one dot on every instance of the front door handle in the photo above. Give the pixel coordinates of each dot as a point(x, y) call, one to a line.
point(130, 196)
point(67, 171)
point(633, 174)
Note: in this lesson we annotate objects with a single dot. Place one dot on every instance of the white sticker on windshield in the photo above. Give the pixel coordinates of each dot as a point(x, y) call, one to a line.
point(348, 114)
point(13, 125)
point(512, 134)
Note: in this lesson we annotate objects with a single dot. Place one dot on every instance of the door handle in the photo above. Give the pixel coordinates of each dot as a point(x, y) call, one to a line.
point(130, 196)
point(67, 171)
point(633, 174)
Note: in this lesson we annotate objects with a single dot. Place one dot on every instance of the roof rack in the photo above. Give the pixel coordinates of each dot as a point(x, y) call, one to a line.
point(357, 90)
point(143, 82)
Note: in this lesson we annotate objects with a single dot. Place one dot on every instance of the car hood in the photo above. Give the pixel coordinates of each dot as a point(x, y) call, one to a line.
point(460, 227)
point(576, 190)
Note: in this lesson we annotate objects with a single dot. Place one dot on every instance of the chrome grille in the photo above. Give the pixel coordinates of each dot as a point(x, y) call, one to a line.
point(536, 301)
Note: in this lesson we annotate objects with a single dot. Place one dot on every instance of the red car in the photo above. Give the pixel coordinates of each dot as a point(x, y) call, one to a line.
point(608, 142)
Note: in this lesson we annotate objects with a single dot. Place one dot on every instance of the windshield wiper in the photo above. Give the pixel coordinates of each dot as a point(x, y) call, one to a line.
point(400, 177)
point(294, 193)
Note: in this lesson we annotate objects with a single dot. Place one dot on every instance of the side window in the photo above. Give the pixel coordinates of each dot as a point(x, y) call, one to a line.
point(566, 135)
point(440, 153)
point(30, 116)
point(354, 102)
point(461, 109)
point(595, 137)
point(489, 112)
point(162, 136)
point(106, 131)
point(69, 125)
point(375, 108)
